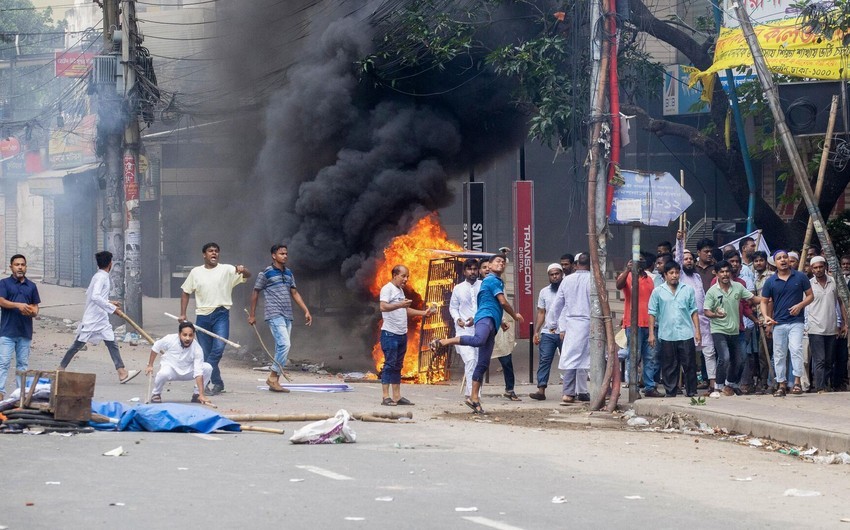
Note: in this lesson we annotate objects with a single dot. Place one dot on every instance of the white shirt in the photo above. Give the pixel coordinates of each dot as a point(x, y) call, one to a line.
point(183, 361)
point(212, 287)
point(462, 306)
point(572, 301)
point(394, 321)
point(95, 326)
point(546, 300)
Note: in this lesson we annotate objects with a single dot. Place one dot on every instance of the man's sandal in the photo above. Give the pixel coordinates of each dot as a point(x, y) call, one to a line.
point(512, 396)
point(475, 406)
point(797, 390)
point(156, 398)
point(780, 392)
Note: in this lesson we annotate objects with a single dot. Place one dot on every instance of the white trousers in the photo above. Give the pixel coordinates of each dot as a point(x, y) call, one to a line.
point(469, 355)
point(710, 361)
point(167, 373)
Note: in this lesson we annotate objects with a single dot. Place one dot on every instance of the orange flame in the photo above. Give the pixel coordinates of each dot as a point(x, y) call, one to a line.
point(411, 251)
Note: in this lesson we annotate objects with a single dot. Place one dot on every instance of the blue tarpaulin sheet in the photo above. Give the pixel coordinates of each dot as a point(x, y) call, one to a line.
point(162, 417)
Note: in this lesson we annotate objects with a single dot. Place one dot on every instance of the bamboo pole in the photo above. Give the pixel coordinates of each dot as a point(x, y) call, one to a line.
point(317, 417)
point(251, 428)
point(827, 143)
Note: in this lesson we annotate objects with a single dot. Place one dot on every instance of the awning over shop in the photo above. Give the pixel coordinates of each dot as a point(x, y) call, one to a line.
point(53, 182)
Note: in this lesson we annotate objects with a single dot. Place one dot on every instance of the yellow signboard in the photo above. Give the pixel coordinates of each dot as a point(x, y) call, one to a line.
point(787, 50)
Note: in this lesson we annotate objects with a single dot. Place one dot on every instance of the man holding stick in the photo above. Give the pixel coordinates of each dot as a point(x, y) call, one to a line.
point(212, 284)
point(95, 326)
point(182, 360)
point(278, 284)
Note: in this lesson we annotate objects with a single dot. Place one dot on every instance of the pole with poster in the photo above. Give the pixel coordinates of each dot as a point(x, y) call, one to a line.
point(523, 211)
point(653, 199)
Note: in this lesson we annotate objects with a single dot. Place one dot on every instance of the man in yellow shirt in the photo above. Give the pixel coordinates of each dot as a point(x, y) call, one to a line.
point(212, 283)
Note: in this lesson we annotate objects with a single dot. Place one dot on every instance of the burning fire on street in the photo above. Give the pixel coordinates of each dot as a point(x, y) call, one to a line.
point(411, 251)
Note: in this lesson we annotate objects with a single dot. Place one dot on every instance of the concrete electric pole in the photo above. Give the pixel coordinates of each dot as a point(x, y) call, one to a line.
point(132, 228)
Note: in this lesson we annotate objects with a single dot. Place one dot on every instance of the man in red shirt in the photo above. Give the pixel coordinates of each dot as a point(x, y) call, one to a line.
point(647, 354)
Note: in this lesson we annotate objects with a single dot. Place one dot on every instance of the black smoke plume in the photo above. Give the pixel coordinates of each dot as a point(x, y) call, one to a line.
point(347, 163)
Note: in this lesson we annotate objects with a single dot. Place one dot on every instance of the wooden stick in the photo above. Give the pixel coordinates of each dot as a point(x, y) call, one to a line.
point(207, 332)
point(827, 142)
point(150, 381)
point(135, 326)
point(268, 353)
point(682, 184)
point(260, 429)
point(316, 417)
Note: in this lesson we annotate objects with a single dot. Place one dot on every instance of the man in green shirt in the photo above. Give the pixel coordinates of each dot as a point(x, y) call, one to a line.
point(722, 309)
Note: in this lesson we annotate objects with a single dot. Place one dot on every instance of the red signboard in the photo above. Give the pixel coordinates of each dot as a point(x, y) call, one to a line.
point(523, 195)
point(9, 147)
point(131, 185)
point(72, 64)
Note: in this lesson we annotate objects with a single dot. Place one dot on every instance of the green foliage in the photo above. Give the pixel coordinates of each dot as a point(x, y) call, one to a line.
point(697, 401)
point(839, 232)
point(26, 31)
point(827, 19)
point(549, 72)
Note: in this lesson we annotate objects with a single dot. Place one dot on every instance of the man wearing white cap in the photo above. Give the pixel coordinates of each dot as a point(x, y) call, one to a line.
point(822, 323)
point(546, 329)
point(572, 305)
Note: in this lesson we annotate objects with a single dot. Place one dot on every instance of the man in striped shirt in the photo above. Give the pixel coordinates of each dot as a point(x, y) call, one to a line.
point(278, 284)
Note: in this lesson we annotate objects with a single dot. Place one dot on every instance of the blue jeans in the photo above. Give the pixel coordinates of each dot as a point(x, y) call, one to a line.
point(549, 342)
point(507, 362)
point(788, 338)
point(219, 323)
point(647, 354)
point(730, 360)
point(281, 328)
point(20, 346)
point(394, 347)
point(484, 339)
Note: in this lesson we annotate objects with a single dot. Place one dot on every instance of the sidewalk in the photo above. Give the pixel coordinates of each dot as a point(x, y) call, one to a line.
point(815, 420)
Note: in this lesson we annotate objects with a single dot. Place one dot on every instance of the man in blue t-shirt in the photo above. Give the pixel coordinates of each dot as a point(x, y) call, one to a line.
point(19, 302)
point(278, 284)
point(785, 295)
point(488, 318)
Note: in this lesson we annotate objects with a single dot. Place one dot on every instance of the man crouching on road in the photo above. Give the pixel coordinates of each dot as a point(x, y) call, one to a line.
point(182, 360)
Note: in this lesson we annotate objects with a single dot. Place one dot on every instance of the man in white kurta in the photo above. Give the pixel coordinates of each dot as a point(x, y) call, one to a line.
point(572, 305)
point(182, 360)
point(95, 326)
point(462, 307)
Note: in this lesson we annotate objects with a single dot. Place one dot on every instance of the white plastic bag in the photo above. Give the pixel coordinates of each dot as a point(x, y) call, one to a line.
point(330, 431)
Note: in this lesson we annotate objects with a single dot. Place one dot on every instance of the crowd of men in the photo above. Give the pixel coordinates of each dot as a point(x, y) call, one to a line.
point(727, 321)
point(733, 321)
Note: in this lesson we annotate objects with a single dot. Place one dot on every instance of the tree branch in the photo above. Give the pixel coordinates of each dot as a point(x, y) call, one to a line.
point(729, 163)
point(644, 20)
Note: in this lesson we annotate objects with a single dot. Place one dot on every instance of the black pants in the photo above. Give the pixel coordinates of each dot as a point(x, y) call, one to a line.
point(839, 365)
point(676, 356)
point(822, 348)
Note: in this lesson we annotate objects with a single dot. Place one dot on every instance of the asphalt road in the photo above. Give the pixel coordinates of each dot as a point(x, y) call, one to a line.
point(429, 468)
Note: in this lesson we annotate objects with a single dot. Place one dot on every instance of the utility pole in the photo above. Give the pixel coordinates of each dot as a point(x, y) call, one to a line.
point(110, 132)
point(132, 232)
point(801, 176)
